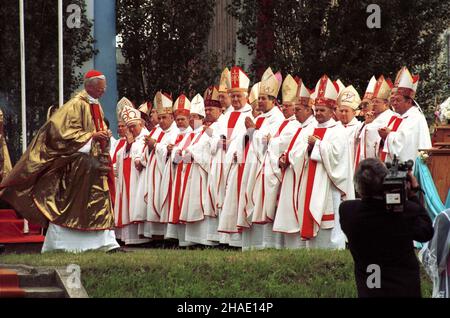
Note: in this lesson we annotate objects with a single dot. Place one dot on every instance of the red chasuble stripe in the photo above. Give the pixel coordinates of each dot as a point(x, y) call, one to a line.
point(118, 147)
point(284, 124)
point(263, 175)
point(291, 145)
point(241, 166)
point(127, 176)
point(307, 230)
point(232, 123)
point(160, 137)
point(259, 122)
point(176, 204)
point(187, 172)
point(394, 123)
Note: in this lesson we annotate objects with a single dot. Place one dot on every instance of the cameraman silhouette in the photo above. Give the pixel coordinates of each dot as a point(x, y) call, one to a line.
point(381, 241)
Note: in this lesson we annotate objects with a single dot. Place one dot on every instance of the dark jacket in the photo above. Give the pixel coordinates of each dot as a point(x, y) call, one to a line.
point(376, 236)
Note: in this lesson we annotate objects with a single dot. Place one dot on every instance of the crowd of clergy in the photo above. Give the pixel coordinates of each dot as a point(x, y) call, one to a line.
point(234, 166)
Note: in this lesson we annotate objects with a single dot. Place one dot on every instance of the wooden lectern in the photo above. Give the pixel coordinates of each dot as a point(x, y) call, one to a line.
point(439, 160)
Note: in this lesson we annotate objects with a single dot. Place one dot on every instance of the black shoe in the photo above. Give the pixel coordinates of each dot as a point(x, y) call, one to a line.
point(2, 248)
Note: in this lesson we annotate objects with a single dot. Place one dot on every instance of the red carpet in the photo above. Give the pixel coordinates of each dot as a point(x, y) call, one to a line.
point(9, 284)
point(11, 229)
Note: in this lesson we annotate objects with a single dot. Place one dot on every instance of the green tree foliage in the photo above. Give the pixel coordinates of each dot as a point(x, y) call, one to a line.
point(164, 44)
point(41, 48)
point(313, 37)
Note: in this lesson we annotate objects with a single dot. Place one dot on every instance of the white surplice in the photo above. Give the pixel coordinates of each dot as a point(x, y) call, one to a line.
point(353, 129)
point(286, 218)
point(155, 169)
point(252, 235)
point(126, 199)
point(332, 181)
point(370, 138)
point(412, 134)
point(235, 133)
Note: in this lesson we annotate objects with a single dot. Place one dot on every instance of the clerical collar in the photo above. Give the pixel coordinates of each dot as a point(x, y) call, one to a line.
point(229, 109)
point(144, 132)
point(91, 99)
point(172, 126)
point(352, 122)
point(291, 118)
point(269, 113)
point(198, 129)
point(308, 121)
point(326, 124)
point(185, 130)
point(244, 109)
point(410, 111)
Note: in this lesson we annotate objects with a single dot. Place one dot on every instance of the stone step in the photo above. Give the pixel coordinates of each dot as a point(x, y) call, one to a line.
point(43, 292)
point(42, 278)
point(42, 282)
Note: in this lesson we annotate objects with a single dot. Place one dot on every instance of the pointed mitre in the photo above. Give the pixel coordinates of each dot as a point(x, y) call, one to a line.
point(198, 105)
point(382, 88)
point(339, 85)
point(269, 84)
point(304, 94)
point(254, 93)
point(146, 108)
point(211, 97)
point(120, 106)
point(370, 89)
point(182, 106)
point(289, 89)
point(326, 93)
point(224, 81)
point(163, 103)
point(238, 81)
point(405, 83)
point(349, 97)
point(130, 115)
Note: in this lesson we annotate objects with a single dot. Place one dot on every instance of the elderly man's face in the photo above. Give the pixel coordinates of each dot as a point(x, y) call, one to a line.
point(265, 104)
point(182, 121)
point(121, 129)
point(302, 112)
point(345, 114)
point(195, 121)
point(154, 117)
point(224, 100)
point(238, 100)
point(165, 121)
point(379, 105)
point(323, 113)
point(212, 113)
point(135, 128)
point(400, 103)
point(288, 109)
point(96, 87)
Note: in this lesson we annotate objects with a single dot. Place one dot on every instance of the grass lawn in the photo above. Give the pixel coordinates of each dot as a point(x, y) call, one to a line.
point(213, 273)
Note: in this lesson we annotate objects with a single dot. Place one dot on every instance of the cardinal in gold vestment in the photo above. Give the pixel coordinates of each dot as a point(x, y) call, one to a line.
point(54, 181)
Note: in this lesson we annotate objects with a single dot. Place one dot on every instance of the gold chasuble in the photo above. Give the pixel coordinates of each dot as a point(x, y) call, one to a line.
point(55, 182)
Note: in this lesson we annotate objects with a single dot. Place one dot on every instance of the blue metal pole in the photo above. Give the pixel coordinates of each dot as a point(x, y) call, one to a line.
point(105, 60)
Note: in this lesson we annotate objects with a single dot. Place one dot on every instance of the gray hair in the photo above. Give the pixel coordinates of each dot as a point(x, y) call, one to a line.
point(92, 81)
point(369, 177)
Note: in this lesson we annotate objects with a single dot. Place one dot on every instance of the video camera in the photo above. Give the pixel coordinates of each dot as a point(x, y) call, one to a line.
point(394, 184)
